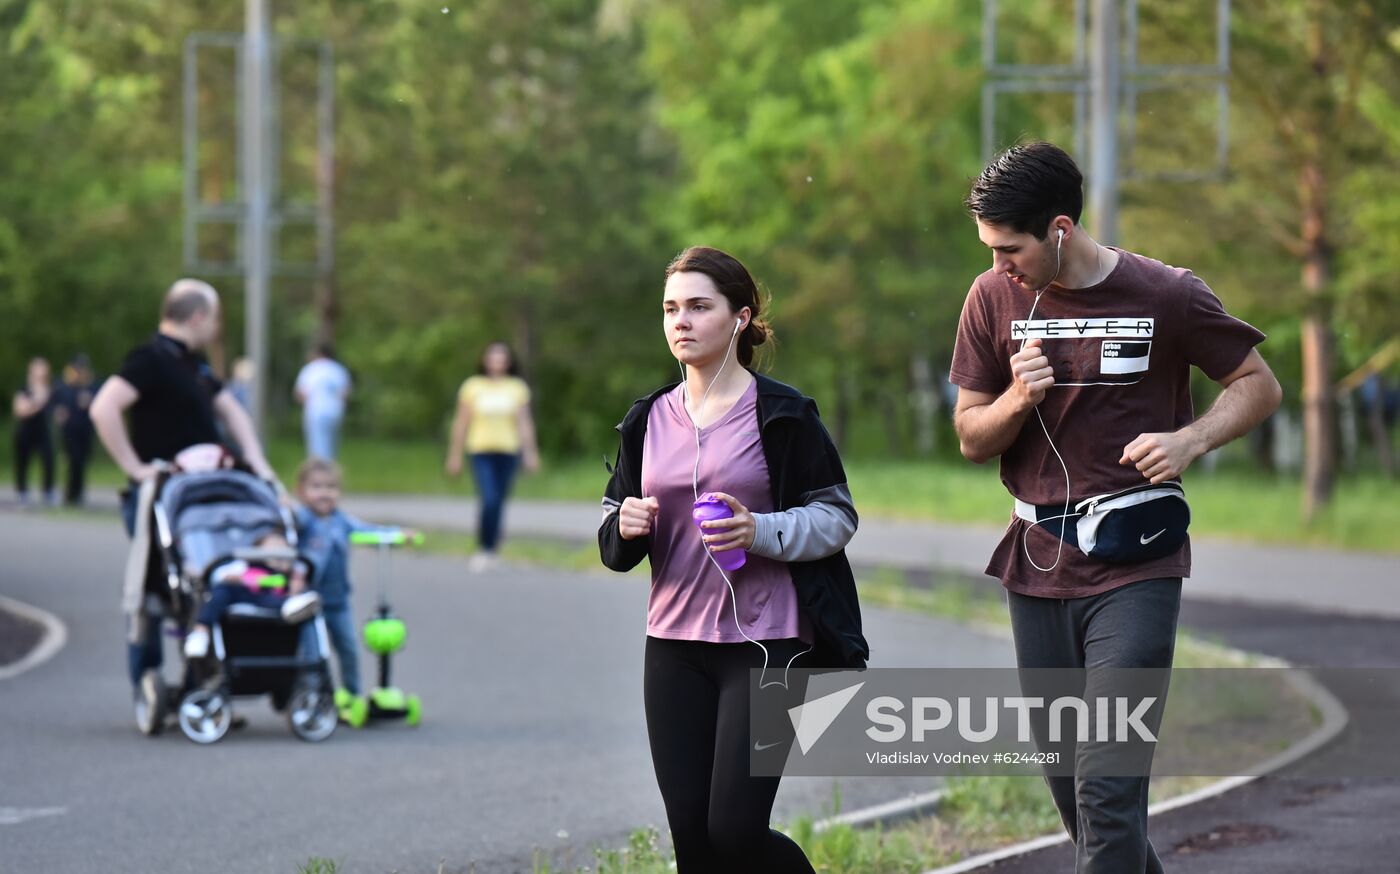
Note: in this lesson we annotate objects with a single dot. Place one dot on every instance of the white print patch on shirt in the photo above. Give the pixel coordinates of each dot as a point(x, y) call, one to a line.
point(1069, 329)
point(1124, 357)
point(1113, 351)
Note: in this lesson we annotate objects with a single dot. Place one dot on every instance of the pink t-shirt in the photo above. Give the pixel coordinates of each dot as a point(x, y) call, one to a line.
point(689, 598)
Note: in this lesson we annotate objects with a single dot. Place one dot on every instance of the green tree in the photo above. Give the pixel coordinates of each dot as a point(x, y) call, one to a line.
point(830, 146)
point(1303, 230)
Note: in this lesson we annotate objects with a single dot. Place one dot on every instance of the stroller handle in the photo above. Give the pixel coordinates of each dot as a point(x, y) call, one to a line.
point(385, 538)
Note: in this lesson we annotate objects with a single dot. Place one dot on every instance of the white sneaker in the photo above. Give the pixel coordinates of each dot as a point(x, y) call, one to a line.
point(300, 607)
point(482, 562)
point(197, 644)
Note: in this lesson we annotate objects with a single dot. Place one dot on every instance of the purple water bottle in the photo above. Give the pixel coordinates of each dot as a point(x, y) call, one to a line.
point(709, 507)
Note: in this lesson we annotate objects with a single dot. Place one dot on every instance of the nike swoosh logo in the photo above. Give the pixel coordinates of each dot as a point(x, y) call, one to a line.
point(758, 747)
point(1144, 539)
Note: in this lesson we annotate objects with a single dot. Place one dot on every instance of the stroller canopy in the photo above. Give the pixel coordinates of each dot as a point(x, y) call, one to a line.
point(213, 513)
point(216, 486)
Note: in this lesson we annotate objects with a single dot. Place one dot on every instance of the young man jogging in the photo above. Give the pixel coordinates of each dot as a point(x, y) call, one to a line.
point(1073, 365)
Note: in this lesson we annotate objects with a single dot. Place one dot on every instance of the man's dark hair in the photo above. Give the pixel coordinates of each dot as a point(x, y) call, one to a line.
point(1025, 187)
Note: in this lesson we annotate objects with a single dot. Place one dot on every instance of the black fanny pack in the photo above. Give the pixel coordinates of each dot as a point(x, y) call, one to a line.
point(1134, 525)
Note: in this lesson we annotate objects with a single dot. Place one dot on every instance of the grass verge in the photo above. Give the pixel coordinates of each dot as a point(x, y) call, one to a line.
point(1229, 503)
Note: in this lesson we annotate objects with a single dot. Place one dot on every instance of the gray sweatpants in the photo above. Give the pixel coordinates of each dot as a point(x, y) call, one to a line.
point(1133, 626)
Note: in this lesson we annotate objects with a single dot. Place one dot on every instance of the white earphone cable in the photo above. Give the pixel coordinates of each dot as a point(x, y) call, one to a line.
point(1066, 514)
point(695, 486)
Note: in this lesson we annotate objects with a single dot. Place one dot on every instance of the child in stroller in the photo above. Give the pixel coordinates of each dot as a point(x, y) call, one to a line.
point(264, 584)
point(227, 545)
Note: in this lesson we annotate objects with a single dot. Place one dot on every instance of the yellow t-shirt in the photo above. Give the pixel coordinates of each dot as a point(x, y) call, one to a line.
point(495, 404)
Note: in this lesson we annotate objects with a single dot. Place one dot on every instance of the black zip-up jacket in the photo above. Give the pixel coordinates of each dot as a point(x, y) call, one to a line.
point(802, 462)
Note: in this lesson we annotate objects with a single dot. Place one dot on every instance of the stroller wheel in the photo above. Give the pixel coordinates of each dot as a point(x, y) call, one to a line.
point(149, 703)
point(205, 715)
point(311, 712)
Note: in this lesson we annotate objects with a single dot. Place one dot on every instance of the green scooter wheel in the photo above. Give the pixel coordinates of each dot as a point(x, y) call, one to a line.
point(414, 712)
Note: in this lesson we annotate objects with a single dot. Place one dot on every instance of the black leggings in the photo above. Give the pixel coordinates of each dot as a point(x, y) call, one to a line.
point(697, 706)
point(31, 438)
point(77, 444)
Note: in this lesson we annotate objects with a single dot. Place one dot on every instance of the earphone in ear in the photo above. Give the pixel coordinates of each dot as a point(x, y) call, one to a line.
point(1066, 515)
point(738, 324)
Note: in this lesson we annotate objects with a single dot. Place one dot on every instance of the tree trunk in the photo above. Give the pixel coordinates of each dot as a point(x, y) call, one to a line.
point(1319, 458)
point(841, 422)
point(1261, 444)
point(926, 403)
point(523, 341)
point(1319, 438)
point(894, 434)
point(327, 309)
point(327, 305)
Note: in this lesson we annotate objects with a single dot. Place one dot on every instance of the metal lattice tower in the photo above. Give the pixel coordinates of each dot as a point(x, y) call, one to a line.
point(258, 214)
point(1105, 79)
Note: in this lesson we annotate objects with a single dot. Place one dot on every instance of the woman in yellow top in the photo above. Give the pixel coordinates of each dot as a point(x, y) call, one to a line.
point(494, 425)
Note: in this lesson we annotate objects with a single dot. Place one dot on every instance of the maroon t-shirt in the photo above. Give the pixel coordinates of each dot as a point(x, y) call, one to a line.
point(1122, 352)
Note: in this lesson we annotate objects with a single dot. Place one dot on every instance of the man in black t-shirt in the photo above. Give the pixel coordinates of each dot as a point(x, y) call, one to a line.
point(174, 399)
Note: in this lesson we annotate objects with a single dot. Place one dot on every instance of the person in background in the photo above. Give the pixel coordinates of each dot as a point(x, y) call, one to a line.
point(33, 407)
point(240, 383)
point(322, 387)
point(72, 400)
point(174, 401)
point(494, 425)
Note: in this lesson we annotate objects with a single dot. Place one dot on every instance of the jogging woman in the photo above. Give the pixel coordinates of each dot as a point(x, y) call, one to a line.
point(759, 447)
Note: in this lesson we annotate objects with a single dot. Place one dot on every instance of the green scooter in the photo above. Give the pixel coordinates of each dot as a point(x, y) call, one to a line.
point(384, 636)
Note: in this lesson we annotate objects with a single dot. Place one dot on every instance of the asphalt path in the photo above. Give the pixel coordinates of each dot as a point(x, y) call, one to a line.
point(532, 740)
point(1319, 815)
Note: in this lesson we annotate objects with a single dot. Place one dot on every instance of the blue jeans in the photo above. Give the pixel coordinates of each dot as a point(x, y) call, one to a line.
point(130, 498)
point(1133, 626)
point(493, 472)
point(322, 435)
point(145, 653)
point(340, 623)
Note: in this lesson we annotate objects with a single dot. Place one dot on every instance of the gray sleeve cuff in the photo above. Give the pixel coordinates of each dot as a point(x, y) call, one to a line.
point(765, 536)
point(815, 530)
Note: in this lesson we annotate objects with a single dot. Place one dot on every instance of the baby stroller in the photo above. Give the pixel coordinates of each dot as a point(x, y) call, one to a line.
point(203, 521)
